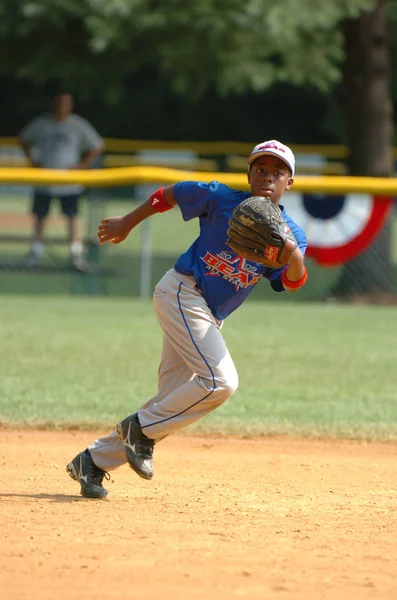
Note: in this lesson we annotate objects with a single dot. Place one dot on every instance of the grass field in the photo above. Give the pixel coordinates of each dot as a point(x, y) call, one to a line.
point(305, 368)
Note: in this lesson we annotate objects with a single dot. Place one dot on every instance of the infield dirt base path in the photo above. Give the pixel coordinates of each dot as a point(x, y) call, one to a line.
point(223, 519)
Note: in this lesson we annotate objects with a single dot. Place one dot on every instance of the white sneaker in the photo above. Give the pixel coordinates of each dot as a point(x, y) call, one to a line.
point(33, 260)
point(80, 264)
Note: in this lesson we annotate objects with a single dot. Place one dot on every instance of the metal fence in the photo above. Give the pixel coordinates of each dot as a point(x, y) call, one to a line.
point(133, 267)
point(351, 230)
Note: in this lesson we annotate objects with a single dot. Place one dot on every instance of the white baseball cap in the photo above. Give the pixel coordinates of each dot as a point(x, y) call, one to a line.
point(274, 148)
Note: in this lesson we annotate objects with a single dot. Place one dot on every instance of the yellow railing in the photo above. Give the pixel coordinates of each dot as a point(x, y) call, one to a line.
point(133, 175)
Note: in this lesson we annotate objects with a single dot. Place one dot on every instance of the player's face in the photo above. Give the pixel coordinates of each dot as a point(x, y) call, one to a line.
point(269, 176)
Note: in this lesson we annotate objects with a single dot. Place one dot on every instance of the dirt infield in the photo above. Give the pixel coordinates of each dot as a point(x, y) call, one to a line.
point(223, 518)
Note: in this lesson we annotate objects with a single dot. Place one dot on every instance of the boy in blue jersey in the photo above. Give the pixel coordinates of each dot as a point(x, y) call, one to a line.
point(208, 282)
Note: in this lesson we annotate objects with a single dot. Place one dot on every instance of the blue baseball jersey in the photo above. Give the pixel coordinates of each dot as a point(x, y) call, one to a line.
point(224, 277)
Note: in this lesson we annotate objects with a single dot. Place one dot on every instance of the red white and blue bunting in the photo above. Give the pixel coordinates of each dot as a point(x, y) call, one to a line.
point(339, 227)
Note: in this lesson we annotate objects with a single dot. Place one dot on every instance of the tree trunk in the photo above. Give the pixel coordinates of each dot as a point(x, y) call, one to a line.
point(369, 116)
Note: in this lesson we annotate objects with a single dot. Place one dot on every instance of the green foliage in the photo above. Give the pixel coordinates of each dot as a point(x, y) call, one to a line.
point(201, 44)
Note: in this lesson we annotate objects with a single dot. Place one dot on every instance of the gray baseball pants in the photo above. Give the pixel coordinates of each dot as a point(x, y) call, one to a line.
point(196, 372)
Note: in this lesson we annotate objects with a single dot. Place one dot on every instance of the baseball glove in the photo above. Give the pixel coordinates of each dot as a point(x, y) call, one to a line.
point(258, 231)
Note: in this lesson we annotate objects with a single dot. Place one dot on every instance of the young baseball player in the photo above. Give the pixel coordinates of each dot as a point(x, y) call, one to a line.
point(208, 282)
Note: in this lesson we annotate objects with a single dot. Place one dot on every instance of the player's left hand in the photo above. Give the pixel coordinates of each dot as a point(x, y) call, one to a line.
point(258, 231)
point(112, 230)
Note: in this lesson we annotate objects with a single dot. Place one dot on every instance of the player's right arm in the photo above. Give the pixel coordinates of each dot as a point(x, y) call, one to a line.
point(116, 229)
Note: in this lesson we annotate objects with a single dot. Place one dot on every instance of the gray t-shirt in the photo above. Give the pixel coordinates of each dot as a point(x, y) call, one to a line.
point(60, 145)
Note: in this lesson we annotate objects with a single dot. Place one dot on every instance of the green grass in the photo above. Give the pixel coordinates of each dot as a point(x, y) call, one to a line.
point(305, 368)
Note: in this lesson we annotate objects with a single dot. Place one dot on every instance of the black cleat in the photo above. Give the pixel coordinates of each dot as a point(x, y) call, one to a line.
point(137, 447)
point(84, 470)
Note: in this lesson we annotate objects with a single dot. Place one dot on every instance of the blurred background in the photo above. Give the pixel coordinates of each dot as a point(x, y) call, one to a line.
point(194, 86)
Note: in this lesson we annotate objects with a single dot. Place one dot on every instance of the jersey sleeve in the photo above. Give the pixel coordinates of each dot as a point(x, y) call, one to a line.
point(274, 275)
point(193, 198)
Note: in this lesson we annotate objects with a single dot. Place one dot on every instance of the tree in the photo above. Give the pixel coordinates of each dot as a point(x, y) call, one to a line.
point(232, 46)
point(369, 126)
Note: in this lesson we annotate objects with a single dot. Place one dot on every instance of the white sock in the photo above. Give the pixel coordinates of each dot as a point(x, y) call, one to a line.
point(37, 248)
point(76, 248)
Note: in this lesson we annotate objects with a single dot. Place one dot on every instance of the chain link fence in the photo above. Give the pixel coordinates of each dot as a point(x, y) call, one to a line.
point(133, 267)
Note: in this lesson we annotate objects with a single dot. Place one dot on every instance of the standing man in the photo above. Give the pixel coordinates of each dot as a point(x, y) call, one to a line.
point(208, 282)
point(60, 140)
